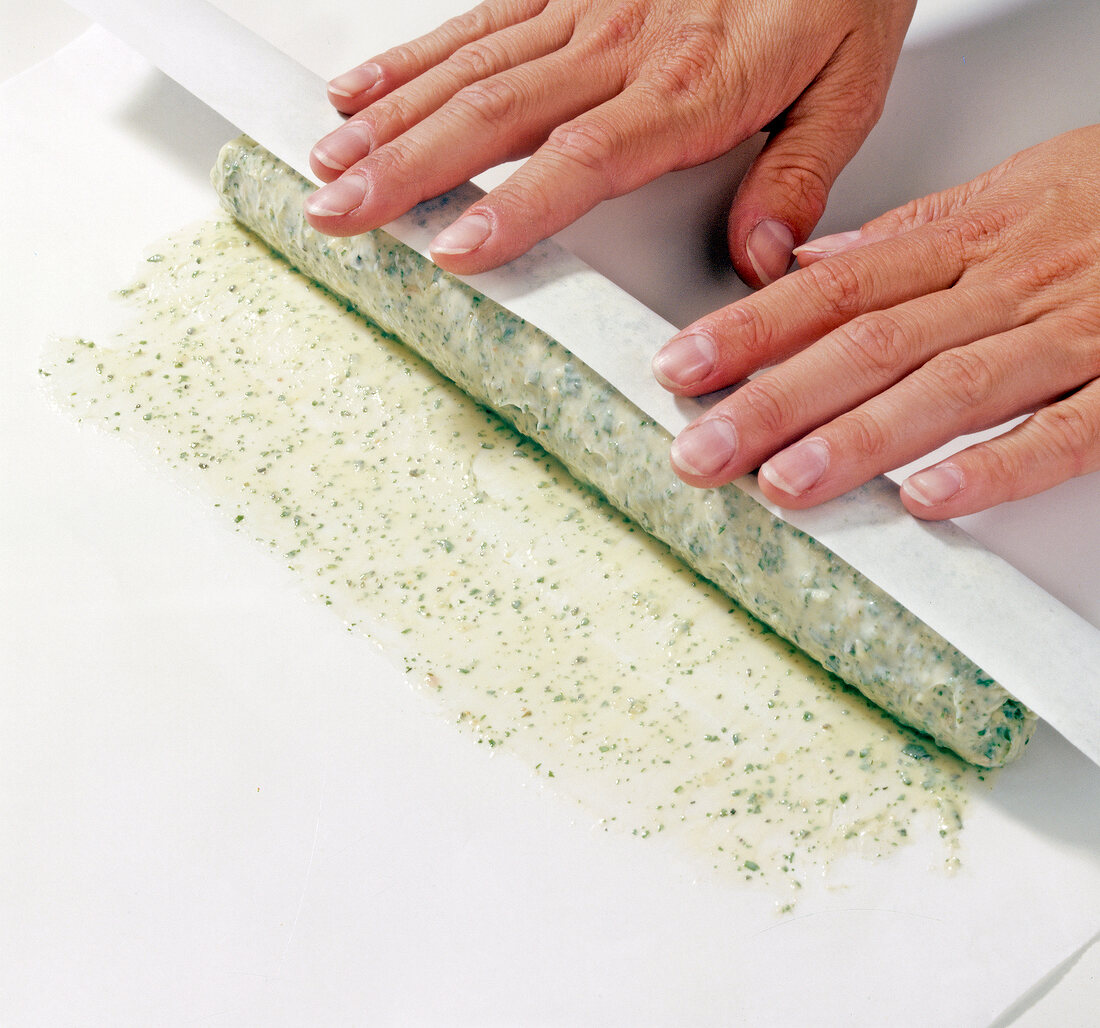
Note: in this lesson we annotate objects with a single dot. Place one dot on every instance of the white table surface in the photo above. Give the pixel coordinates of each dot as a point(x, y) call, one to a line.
point(1070, 997)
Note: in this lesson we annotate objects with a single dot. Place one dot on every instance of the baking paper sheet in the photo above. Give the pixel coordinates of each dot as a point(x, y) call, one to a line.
point(1040, 650)
point(220, 806)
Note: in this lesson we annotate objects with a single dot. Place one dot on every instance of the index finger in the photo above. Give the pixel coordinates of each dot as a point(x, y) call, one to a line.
point(353, 90)
point(500, 118)
point(476, 63)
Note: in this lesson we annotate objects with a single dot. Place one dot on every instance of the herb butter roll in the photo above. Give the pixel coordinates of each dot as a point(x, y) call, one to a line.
point(792, 583)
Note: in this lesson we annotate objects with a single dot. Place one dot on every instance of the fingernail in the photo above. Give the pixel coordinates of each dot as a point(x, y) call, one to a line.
point(828, 244)
point(466, 234)
point(705, 448)
point(338, 198)
point(797, 468)
point(935, 485)
point(356, 81)
point(769, 248)
point(685, 360)
point(341, 149)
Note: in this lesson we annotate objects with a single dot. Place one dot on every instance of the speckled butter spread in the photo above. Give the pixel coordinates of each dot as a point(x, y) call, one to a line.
point(515, 600)
point(783, 577)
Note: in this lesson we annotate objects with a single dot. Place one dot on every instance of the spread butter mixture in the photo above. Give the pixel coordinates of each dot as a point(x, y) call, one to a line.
point(796, 586)
point(536, 614)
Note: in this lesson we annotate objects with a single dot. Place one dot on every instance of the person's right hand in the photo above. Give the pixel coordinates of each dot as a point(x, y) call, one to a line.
point(952, 314)
point(606, 95)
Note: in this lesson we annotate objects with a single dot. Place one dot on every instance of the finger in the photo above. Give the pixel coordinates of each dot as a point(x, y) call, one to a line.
point(354, 89)
point(725, 347)
point(860, 359)
point(914, 214)
point(961, 390)
point(399, 110)
point(488, 122)
point(605, 152)
point(784, 193)
point(886, 226)
point(1057, 443)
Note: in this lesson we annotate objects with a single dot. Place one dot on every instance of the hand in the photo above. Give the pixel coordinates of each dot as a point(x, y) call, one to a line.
point(947, 316)
point(607, 95)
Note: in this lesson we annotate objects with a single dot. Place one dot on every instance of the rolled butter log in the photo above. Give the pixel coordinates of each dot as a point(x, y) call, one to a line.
point(792, 583)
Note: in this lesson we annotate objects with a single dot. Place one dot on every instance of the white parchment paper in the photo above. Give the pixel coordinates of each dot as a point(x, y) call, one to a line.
point(220, 807)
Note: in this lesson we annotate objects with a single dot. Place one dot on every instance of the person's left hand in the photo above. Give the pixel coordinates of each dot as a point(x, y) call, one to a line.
point(950, 315)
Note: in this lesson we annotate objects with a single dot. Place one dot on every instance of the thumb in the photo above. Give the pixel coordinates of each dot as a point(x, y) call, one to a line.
point(783, 195)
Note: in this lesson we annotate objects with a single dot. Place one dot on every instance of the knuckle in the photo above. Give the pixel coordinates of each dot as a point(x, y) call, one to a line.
point(480, 22)
point(836, 284)
point(874, 346)
point(977, 232)
point(525, 206)
point(866, 100)
point(1071, 434)
point(389, 116)
point(1083, 320)
point(865, 438)
point(804, 179)
point(476, 60)
point(403, 55)
point(588, 142)
point(913, 214)
point(471, 24)
point(686, 60)
point(760, 337)
point(769, 406)
point(1001, 466)
point(622, 24)
point(1043, 272)
point(391, 160)
point(909, 215)
point(965, 376)
point(492, 100)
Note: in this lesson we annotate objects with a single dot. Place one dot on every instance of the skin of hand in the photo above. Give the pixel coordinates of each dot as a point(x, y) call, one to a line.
point(949, 315)
point(604, 96)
